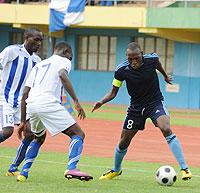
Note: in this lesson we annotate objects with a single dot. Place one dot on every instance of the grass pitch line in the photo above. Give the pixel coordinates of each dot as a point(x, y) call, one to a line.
point(86, 165)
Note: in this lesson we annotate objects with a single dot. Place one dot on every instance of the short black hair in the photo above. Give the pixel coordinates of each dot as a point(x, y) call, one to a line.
point(62, 45)
point(133, 46)
point(30, 31)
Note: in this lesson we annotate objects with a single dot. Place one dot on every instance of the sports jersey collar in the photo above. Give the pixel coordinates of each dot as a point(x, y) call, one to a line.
point(142, 61)
point(139, 67)
point(55, 55)
point(24, 49)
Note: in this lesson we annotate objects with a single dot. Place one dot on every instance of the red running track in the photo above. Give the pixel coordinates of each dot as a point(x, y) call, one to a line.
point(147, 146)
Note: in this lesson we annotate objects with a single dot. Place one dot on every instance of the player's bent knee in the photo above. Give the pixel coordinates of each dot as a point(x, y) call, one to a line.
point(7, 132)
point(29, 136)
point(40, 139)
point(74, 130)
point(82, 134)
point(79, 133)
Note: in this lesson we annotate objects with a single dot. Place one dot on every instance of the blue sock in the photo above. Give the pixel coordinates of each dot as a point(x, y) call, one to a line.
point(119, 155)
point(31, 154)
point(75, 150)
point(21, 151)
point(109, 3)
point(175, 147)
point(1, 137)
point(102, 3)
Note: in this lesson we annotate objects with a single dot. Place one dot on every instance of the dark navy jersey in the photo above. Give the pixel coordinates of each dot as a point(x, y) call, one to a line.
point(142, 84)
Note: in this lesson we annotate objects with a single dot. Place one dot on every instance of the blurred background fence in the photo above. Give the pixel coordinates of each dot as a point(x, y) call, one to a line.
point(136, 3)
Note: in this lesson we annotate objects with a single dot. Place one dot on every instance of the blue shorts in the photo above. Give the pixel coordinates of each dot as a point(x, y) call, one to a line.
point(136, 116)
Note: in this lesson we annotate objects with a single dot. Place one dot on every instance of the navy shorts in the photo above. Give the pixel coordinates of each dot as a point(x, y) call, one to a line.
point(136, 116)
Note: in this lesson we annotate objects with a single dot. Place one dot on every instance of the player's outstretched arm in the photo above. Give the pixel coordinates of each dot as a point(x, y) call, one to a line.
point(108, 97)
point(22, 126)
point(167, 78)
point(68, 86)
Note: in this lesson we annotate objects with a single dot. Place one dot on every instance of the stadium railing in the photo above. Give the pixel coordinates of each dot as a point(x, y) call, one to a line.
point(135, 3)
point(149, 3)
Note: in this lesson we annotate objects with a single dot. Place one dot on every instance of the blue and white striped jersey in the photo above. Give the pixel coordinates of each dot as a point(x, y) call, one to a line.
point(17, 64)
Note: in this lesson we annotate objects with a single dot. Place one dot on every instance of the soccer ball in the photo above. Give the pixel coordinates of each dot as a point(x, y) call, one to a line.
point(166, 175)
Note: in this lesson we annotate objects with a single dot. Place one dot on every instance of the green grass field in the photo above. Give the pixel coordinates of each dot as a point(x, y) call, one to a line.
point(178, 117)
point(46, 175)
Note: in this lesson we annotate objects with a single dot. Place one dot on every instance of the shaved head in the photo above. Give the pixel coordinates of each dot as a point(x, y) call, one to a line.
point(134, 55)
point(63, 49)
point(133, 46)
point(30, 32)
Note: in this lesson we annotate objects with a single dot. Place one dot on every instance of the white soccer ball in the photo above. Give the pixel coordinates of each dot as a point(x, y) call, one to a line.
point(166, 175)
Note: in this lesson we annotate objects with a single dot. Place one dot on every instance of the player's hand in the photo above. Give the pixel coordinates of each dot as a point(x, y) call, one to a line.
point(97, 106)
point(21, 130)
point(169, 79)
point(81, 112)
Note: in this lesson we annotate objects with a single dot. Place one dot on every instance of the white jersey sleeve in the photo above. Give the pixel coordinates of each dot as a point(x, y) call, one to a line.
point(5, 57)
point(65, 64)
point(36, 58)
point(0, 75)
point(30, 79)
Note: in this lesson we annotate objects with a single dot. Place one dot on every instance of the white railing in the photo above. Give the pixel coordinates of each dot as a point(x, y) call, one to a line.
point(150, 3)
point(146, 3)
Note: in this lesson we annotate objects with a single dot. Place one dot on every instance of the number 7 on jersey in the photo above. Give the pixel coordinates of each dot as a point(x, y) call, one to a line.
point(44, 68)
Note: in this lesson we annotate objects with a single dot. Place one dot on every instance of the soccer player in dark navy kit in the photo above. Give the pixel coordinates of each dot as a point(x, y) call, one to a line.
point(139, 72)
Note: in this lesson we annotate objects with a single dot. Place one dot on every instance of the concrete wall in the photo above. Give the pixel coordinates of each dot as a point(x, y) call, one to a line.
point(4, 36)
point(186, 73)
point(92, 85)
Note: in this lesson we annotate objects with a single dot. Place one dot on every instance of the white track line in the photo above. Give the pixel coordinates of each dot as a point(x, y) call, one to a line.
point(85, 165)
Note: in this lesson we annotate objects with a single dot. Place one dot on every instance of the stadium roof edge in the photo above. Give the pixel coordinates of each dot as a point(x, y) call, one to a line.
point(162, 22)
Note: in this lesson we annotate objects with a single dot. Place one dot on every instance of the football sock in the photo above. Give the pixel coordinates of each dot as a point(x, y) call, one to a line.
point(109, 3)
point(21, 151)
point(1, 137)
point(75, 150)
point(175, 147)
point(102, 3)
point(31, 154)
point(119, 155)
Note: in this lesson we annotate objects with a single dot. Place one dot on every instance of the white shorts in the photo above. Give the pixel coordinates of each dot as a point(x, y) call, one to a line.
point(9, 116)
point(53, 117)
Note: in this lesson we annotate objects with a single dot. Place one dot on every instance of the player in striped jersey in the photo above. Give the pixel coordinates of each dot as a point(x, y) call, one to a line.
point(139, 72)
point(16, 62)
